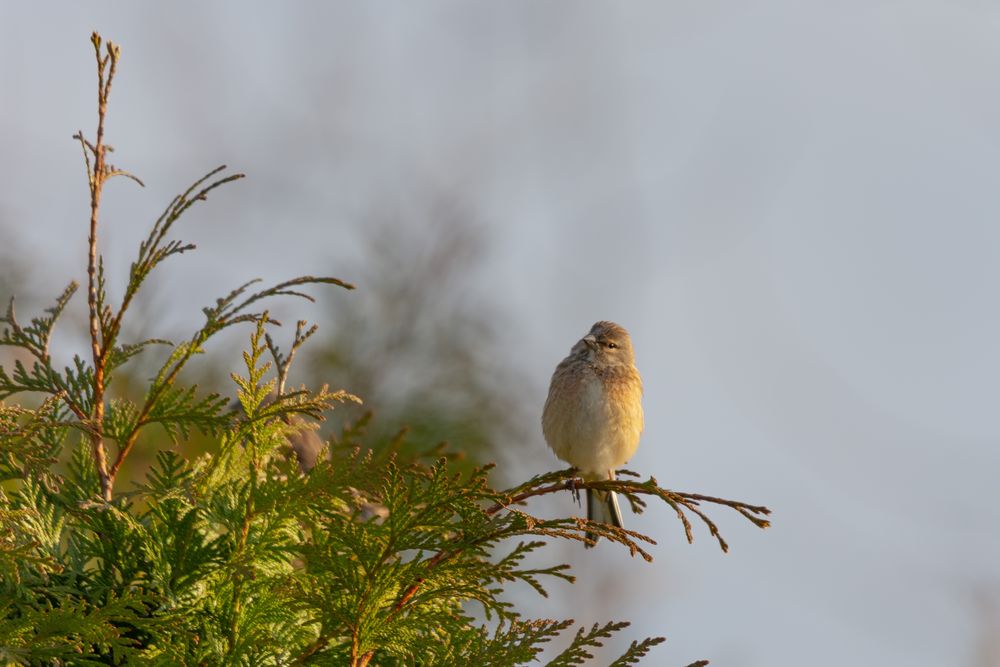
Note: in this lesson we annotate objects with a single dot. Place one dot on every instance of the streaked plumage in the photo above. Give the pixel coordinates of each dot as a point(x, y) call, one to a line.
point(593, 414)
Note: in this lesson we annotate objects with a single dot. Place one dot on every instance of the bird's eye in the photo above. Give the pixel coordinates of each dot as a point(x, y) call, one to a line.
point(612, 346)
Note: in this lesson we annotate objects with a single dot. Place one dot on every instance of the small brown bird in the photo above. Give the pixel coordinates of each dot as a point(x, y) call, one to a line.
point(593, 415)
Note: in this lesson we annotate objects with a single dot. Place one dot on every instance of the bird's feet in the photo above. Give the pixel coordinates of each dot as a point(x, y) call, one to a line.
point(575, 488)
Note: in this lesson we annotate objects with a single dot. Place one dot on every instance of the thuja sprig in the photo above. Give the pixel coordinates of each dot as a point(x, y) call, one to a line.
point(577, 652)
point(36, 337)
point(82, 386)
point(505, 520)
point(633, 490)
point(282, 362)
point(72, 386)
point(98, 172)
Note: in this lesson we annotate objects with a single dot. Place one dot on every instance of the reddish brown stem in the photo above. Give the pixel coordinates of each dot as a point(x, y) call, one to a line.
point(97, 177)
point(567, 485)
point(357, 659)
point(312, 649)
point(408, 594)
point(147, 407)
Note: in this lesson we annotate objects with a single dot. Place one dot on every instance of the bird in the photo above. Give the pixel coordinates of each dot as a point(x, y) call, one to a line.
point(593, 414)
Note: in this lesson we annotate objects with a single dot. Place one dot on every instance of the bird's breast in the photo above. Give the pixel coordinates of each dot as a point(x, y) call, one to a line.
point(593, 419)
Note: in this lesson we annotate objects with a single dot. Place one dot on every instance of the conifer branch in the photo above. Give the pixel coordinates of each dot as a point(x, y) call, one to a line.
point(282, 363)
point(96, 176)
point(679, 501)
point(566, 480)
point(36, 339)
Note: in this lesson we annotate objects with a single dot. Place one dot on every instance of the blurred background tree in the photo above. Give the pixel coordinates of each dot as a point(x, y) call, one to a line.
point(423, 350)
point(986, 610)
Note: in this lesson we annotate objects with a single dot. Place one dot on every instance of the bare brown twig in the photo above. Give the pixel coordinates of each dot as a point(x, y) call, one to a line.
point(103, 325)
point(97, 174)
point(282, 363)
point(678, 500)
point(311, 650)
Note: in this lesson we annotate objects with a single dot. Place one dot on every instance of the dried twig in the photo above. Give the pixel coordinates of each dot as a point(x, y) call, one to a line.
point(97, 173)
point(283, 364)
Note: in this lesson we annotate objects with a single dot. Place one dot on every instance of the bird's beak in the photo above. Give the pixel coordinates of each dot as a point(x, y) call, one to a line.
point(590, 341)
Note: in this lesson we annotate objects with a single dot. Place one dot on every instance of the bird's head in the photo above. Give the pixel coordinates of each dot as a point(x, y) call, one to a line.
point(607, 344)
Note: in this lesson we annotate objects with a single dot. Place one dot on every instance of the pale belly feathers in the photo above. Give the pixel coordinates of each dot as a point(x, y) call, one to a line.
point(590, 432)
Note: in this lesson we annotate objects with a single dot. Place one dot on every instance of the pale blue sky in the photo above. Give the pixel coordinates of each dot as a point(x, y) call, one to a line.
point(793, 206)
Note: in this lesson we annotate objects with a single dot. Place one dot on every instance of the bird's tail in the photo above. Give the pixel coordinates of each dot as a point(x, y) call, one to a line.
point(603, 506)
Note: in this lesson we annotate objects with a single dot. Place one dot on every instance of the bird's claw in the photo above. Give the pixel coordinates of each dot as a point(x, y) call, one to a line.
point(575, 489)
